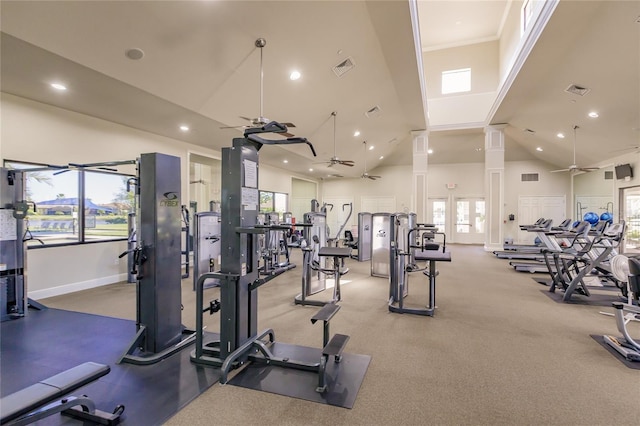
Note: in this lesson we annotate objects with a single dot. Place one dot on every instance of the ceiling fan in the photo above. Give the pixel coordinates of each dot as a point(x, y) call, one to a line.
point(261, 120)
point(335, 160)
point(366, 175)
point(573, 167)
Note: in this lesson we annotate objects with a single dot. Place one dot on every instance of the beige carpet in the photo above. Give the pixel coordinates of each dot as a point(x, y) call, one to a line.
point(498, 351)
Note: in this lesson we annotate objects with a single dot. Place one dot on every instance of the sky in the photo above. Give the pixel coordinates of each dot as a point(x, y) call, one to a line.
point(100, 188)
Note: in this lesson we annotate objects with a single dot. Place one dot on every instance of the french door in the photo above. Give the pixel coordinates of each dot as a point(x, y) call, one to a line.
point(470, 221)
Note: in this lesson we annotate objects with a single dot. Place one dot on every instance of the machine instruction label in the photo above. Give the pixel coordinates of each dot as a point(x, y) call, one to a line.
point(250, 198)
point(250, 174)
point(8, 226)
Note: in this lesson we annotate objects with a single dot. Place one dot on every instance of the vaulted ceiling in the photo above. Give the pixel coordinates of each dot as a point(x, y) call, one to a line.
point(201, 68)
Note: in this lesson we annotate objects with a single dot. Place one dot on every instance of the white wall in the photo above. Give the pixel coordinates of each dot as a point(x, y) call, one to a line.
point(277, 180)
point(395, 181)
point(549, 184)
point(510, 39)
point(36, 132)
point(469, 107)
point(468, 177)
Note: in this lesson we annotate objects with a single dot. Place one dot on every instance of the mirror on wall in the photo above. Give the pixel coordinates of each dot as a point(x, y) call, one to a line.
point(204, 183)
point(594, 192)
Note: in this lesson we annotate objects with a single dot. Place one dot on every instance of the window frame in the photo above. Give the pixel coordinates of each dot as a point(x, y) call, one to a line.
point(81, 195)
point(273, 201)
point(459, 71)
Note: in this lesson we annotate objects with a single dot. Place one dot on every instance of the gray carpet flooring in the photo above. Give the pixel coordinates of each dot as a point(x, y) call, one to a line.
point(497, 352)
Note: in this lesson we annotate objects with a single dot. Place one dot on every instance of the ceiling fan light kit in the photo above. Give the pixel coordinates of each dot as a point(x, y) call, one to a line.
point(261, 120)
point(335, 160)
point(366, 175)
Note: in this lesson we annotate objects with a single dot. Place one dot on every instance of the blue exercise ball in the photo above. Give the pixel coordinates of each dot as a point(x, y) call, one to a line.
point(591, 217)
point(606, 217)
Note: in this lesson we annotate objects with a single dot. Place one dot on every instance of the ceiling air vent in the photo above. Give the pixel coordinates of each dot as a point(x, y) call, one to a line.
point(344, 67)
point(529, 177)
point(608, 175)
point(374, 112)
point(577, 90)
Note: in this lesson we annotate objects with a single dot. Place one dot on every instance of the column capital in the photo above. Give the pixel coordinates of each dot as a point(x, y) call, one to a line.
point(419, 133)
point(495, 127)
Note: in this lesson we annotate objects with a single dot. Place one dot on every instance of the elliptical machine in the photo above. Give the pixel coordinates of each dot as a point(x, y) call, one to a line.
point(626, 345)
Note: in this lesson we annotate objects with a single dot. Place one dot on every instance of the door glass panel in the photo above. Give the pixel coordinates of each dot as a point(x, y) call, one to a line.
point(462, 217)
point(632, 219)
point(480, 217)
point(439, 214)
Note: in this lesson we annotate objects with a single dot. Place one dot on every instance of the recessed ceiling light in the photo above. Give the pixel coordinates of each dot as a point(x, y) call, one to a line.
point(59, 86)
point(310, 170)
point(285, 161)
point(371, 148)
point(560, 135)
point(429, 151)
point(295, 75)
point(381, 157)
point(478, 149)
point(184, 128)
point(539, 149)
point(356, 133)
point(593, 114)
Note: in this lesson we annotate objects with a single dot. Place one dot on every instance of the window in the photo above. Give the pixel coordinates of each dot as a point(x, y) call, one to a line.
point(456, 81)
point(273, 202)
point(57, 219)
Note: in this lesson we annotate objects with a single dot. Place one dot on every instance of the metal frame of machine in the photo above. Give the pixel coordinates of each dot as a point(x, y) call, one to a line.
point(239, 276)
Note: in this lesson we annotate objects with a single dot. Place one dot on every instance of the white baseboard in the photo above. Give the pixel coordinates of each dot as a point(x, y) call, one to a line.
point(73, 287)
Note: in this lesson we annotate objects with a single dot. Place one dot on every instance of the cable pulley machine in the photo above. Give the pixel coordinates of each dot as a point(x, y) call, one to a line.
point(239, 275)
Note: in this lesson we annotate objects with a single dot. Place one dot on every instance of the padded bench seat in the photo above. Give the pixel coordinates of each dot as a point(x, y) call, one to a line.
point(26, 400)
point(336, 345)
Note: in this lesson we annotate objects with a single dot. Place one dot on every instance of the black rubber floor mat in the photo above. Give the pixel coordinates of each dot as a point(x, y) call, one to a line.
point(343, 379)
point(47, 342)
point(631, 364)
point(596, 299)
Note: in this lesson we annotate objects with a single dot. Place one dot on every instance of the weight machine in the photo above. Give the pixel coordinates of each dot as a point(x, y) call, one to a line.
point(157, 261)
point(273, 244)
point(13, 282)
point(206, 246)
point(314, 235)
point(408, 247)
point(239, 276)
point(14, 232)
point(362, 242)
point(380, 243)
point(626, 345)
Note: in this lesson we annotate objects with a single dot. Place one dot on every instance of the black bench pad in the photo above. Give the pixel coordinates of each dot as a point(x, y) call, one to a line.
point(34, 396)
point(326, 313)
point(335, 345)
point(334, 252)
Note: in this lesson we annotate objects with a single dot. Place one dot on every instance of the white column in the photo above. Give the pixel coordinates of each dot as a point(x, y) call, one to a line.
point(494, 186)
point(420, 165)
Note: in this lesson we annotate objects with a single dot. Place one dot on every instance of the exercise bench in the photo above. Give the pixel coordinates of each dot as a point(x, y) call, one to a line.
point(33, 403)
point(333, 347)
